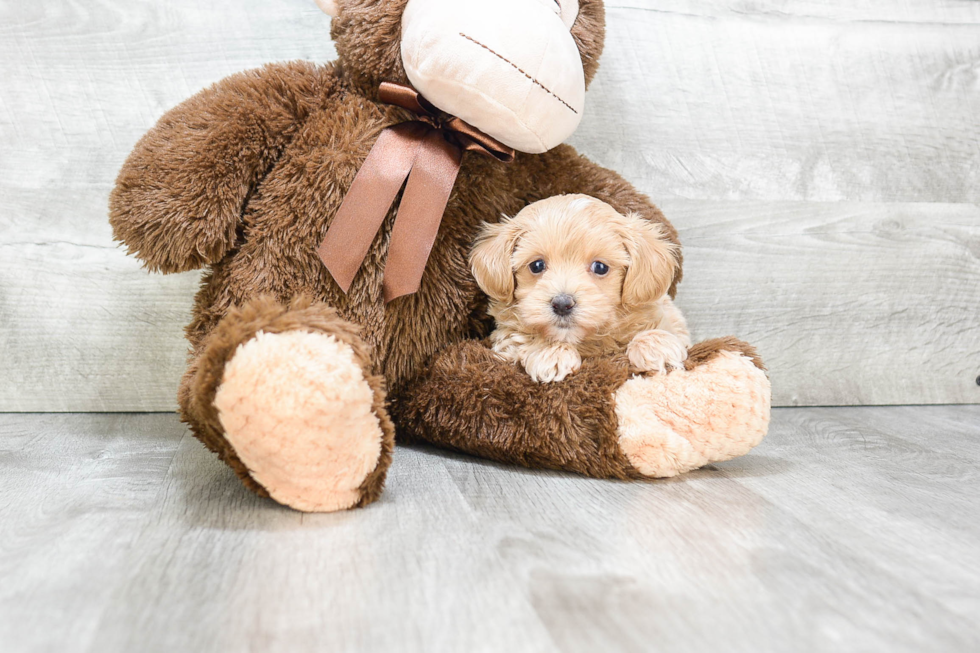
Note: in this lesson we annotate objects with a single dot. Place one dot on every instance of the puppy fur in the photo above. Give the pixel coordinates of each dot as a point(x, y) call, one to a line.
point(614, 270)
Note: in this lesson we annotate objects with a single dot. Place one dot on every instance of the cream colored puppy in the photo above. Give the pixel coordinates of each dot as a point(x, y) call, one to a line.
point(569, 277)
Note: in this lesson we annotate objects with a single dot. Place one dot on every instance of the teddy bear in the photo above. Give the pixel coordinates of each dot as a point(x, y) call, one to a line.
point(329, 320)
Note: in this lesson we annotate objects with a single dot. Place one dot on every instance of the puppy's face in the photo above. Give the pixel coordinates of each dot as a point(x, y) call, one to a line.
point(569, 267)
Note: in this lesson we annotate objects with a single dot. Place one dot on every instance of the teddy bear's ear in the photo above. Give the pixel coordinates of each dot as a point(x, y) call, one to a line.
point(329, 7)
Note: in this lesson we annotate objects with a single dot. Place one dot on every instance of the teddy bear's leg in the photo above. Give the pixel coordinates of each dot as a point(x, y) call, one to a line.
point(286, 396)
point(471, 400)
point(600, 421)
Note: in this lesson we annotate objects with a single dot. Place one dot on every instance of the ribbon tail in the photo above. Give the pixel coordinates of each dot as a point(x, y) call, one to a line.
point(417, 224)
point(369, 199)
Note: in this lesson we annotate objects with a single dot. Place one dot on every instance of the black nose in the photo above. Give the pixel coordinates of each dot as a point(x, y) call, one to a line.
point(562, 304)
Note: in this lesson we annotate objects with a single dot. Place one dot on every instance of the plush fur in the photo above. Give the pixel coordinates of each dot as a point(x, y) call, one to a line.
point(670, 424)
point(244, 179)
point(623, 307)
point(297, 410)
point(264, 315)
point(469, 402)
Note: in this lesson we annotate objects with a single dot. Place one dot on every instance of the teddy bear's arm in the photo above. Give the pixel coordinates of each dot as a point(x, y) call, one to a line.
point(564, 171)
point(179, 197)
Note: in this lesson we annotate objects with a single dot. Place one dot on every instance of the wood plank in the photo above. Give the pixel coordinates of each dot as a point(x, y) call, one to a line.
point(943, 12)
point(83, 81)
point(763, 100)
point(82, 326)
point(872, 104)
point(848, 304)
point(847, 529)
point(914, 469)
point(820, 514)
point(74, 493)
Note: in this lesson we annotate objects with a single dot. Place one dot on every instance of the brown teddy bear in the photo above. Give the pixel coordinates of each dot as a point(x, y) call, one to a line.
point(311, 345)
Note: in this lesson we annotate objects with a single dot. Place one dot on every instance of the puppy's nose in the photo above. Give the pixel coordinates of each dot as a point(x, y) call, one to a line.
point(562, 304)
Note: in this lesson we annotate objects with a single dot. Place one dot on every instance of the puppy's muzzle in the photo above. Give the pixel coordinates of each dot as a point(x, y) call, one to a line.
point(562, 304)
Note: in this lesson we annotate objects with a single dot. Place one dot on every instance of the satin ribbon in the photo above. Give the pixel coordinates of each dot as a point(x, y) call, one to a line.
point(428, 153)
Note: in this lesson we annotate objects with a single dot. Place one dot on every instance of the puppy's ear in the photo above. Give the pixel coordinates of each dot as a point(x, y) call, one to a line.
point(490, 259)
point(653, 261)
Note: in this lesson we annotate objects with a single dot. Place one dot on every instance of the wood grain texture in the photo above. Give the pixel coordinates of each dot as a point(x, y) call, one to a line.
point(791, 100)
point(848, 303)
point(821, 161)
point(848, 529)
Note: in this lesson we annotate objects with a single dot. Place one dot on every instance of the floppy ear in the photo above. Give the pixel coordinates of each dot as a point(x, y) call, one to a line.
point(329, 7)
point(490, 259)
point(653, 261)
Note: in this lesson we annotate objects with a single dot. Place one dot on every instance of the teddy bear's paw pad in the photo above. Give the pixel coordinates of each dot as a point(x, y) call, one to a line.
point(298, 411)
point(671, 424)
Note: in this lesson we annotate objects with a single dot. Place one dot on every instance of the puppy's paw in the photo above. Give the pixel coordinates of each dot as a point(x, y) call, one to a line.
point(656, 351)
point(549, 364)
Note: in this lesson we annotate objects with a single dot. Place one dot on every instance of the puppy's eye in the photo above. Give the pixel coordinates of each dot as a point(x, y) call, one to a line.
point(599, 268)
point(537, 267)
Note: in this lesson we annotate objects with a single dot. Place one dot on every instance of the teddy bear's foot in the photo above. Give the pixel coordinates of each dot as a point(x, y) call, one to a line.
point(284, 394)
point(712, 411)
point(297, 410)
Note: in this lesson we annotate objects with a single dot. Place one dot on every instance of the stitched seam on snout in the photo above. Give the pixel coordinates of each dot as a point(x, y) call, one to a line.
point(520, 70)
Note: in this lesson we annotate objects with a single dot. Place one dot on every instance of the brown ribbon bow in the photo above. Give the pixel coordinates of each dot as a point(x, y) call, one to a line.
point(428, 152)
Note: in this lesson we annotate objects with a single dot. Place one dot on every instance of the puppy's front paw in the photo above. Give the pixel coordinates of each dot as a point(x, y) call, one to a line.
point(552, 363)
point(656, 351)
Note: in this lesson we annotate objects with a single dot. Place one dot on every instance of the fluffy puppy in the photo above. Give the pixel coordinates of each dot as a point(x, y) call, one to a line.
point(569, 277)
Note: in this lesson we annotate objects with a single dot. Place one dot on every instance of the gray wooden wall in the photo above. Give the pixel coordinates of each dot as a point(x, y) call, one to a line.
point(820, 158)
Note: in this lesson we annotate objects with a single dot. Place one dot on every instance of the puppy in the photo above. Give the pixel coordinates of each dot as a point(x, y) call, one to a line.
point(569, 277)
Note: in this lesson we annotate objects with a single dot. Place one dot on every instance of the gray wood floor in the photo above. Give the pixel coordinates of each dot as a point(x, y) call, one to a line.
point(847, 529)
